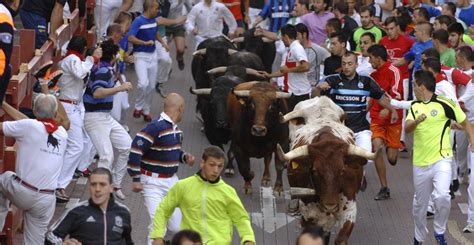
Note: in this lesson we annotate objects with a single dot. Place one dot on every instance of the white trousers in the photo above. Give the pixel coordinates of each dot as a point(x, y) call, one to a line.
point(146, 67)
point(154, 190)
point(88, 153)
point(104, 15)
point(38, 207)
point(120, 103)
point(432, 180)
point(107, 134)
point(470, 191)
point(253, 13)
point(462, 151)
point(164, 63)
point(75, 143)
point(364, 139)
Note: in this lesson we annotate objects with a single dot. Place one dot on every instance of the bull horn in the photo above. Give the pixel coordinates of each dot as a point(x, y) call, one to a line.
point(242, 93)
point(298, 191)
point(283, 95)
point(359, 151)
point(254, 72)
point(200, 52)
point(291, 115)
point(220, 69)
point(238, 40)
point(232, 51)
point(267, 40)
point(201, 91)
point(295, 153)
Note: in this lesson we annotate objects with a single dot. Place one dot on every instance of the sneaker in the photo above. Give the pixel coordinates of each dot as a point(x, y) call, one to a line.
point(429, 215)
point(416, 242)
point(454, 185)
point(403, 148)
point(181, 64)
point(451, 193)
point(469, 228)
point(61, 196)
point(363, 185)
point(440, 239)
point(159, 89)
point(147, 117)
point(118, 193)
point(137, 113)
point(383, 194)
point(77, 174)
point(86, 173)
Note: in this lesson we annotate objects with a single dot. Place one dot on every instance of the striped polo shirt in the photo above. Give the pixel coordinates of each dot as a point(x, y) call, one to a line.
point(100, 78)
point(279, 12)
point(156, 148)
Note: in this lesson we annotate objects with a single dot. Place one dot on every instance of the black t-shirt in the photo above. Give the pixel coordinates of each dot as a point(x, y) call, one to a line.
point(332, 64)
point(351, 96)
point(257, 4)
point(42, 8)
point(348, 28)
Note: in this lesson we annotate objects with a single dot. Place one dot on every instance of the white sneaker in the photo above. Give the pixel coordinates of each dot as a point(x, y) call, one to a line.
point(469, 228)
point(119, 194)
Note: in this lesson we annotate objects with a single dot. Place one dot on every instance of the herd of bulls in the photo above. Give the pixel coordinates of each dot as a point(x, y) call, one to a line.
point(237, 104)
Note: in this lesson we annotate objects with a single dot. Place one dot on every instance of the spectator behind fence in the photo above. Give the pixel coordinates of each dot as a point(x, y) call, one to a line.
point(85, 222)
point(186, 237)
point(8, 11)
point(311, 235)
point(223, 208)
point(37, 14)
point(31, 187)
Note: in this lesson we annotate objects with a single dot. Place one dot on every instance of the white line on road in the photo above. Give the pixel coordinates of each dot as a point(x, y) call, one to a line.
point(464, 207)
point(456, 233)
point(268, 219)
point(72, 203)
point(82, 181)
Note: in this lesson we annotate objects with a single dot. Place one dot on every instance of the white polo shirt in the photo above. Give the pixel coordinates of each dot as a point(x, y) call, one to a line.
point(39, 159)
point(298, 83)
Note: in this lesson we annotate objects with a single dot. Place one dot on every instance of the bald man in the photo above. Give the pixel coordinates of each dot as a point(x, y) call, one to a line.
point(155, 157)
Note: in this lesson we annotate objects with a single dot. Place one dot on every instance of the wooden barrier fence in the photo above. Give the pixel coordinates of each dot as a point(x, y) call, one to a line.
point(25, 59)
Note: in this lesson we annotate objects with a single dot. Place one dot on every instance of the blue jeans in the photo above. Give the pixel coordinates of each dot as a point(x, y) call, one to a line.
point(37, 23)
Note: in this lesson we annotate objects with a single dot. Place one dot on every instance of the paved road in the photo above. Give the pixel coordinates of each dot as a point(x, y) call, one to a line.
point(382, 222)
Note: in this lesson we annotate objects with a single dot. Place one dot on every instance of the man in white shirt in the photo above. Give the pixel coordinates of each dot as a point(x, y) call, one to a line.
point(366, 41)
point(41, 145)
point(294, 68)
point(76, 70)
point(207, 18)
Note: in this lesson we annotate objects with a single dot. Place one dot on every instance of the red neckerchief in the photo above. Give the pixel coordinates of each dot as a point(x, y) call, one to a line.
point(49, 124)
point(72, 52)
point(440, 77)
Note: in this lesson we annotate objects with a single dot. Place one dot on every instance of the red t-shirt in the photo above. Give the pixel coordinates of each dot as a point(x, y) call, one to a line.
point(235, 10)
point(396, 49)
point(389, 78)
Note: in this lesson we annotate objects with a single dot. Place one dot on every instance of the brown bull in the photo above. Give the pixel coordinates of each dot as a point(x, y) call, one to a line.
point(325, 167)
point(254, 109)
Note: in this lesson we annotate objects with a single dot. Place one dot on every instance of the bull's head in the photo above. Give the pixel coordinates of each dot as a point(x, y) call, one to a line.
point(315, 108)
point(262, 100)
point(334, 163)
point(235, 70)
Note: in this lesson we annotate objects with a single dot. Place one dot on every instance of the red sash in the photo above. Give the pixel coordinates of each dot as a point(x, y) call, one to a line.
point(289, 64)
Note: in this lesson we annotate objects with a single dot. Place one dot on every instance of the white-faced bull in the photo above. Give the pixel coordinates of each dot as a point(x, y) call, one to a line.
point(254, 109)
point(325, 167)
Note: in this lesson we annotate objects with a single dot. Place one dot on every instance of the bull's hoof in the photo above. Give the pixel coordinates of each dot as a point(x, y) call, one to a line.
point(247, 188)
point(229, 172)
point(278, 191)
point(266, 181)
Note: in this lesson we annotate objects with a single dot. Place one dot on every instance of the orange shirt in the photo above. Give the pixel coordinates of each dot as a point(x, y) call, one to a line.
point(235, 10)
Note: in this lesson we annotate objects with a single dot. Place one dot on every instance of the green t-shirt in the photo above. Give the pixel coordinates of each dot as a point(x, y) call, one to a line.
point(432, 141)
point(359, 31)
point(448, 58)
point(467, 39)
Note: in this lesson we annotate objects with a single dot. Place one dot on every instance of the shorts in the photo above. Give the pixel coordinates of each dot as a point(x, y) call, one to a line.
point(175, 31)
point(389, 133)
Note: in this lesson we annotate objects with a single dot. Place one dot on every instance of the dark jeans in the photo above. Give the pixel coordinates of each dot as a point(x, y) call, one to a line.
point(37, 23)
point(295, 99)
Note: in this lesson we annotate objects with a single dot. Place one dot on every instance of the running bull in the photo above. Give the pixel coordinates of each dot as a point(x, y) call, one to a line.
point(325, 166)
point(254, 109)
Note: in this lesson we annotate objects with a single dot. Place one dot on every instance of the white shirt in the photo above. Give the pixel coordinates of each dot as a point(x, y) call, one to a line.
point(364, 68)
point(39, 160)
point(209, 19)
point(72, 81)
point(356, 17)
point(298, 83)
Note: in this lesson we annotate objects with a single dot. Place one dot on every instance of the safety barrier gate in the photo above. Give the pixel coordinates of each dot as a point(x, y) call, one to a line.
point(26, 59)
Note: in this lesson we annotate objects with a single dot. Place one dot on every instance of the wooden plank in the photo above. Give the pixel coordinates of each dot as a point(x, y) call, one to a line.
point(64, 35)
point(15, 59)
point(27, 45)
point(74, 21)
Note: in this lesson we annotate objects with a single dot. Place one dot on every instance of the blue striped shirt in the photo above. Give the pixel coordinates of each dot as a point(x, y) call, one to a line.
point(279, 12)
point(145, 30)
point(156, 148)
point(100, 78)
